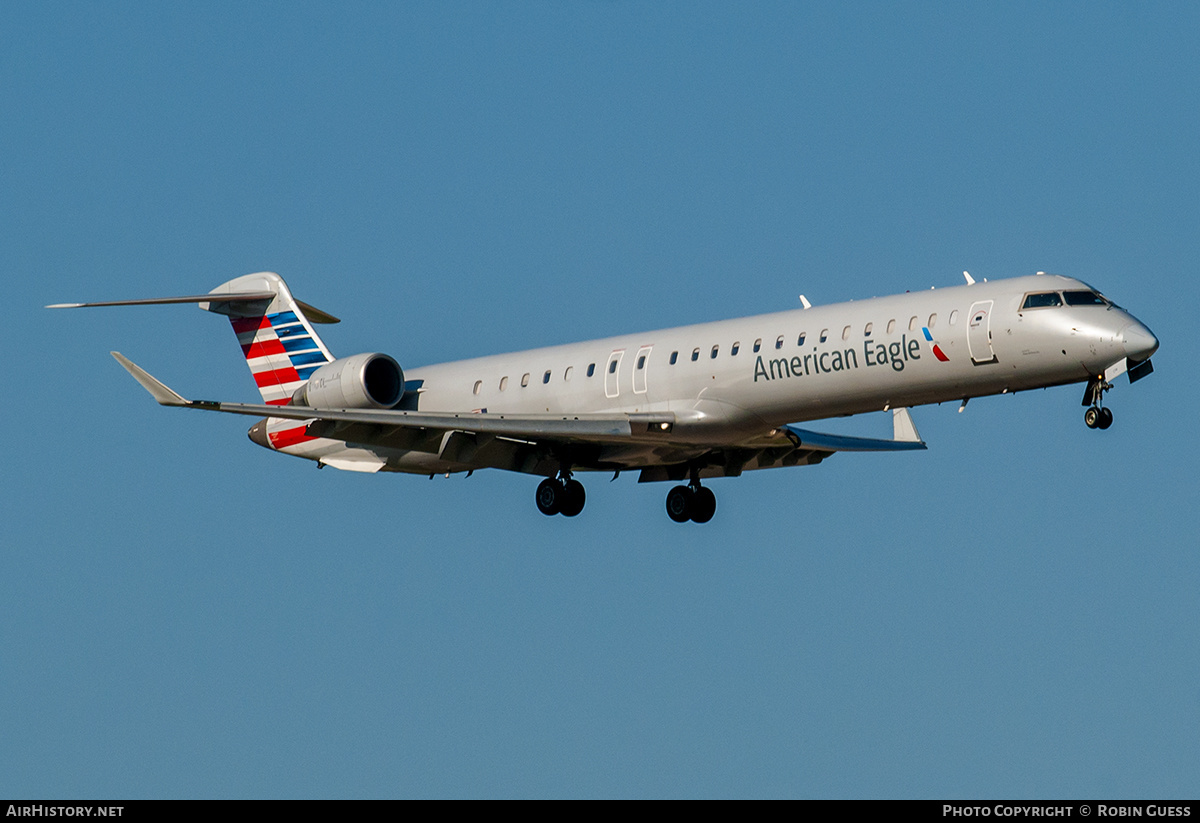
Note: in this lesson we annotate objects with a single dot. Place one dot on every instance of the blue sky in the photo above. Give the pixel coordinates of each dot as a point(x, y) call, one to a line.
point(1010, 614)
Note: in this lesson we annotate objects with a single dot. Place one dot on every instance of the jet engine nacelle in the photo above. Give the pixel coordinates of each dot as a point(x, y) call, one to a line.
point(364, 381)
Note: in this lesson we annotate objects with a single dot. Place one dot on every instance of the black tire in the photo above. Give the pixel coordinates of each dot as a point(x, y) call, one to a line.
point(573, 498)
point(704, 505)
point(680, 504)
point(1091, 417)
point(1106, 418)
point(549, 496)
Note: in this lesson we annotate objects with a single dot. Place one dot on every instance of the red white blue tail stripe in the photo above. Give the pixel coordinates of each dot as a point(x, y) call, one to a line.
point(281, 350)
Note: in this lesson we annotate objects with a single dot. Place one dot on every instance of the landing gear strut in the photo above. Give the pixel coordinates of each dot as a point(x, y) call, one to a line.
point(691, 502)
point(1097, 417)
point(561, 495)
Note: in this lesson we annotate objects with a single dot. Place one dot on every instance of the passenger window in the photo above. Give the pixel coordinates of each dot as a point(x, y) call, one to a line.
point(478, 386)
point(504, 382)
point(714, 352)
point(525, 380)
point(867, 330)
point(800, 339)
point(912, 324)
point(953, 317)
point(695, 355)
point(824, 335)
point(641, 362)
point(733, 351)
point(591, 369)
point(612, 366)
point(674, 357)
point(846, 333)
point(891, 326)
point(932, 320)
point(779, 342)
point(757, 344)
point(567, 373)
point(1044, 300)
point(546, 376)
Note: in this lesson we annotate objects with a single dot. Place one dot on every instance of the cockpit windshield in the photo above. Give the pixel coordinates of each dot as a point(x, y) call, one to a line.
point(1051, 299)
point(1042, 300)
point(1084, 298)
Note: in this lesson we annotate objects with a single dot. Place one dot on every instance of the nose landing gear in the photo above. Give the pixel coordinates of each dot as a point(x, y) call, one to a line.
point(1097, 417)
point(561, 495)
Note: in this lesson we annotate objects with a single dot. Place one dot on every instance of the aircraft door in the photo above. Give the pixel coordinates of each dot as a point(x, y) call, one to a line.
point(640, 366)
point(612, 373)
point(979, 333)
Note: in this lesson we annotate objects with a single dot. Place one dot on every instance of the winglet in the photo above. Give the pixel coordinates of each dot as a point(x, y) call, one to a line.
point(904, 430)
point(158, 391)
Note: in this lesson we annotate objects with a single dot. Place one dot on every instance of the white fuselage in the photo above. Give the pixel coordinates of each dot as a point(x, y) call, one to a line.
point(731, 381)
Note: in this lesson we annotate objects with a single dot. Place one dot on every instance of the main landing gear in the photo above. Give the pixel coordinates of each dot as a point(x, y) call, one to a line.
point(691, 502)
point(1097, 417)
point(561, 495)
point(565, 496)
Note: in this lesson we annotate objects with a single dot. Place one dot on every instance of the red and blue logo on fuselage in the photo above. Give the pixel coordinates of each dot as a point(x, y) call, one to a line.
point(937, 350)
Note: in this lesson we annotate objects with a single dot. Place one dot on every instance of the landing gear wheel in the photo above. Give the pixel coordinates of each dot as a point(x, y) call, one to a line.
point(550, 494)
point(573, 498)
point(1091, 417)
point(680, 504)
point(1106, 418)
point(704, 505)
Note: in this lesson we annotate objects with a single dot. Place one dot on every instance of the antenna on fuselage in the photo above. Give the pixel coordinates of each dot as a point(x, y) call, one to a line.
point(970, 279)
point(804, 302)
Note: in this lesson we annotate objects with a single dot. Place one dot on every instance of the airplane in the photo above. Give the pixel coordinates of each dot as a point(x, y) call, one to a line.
point(683, 404)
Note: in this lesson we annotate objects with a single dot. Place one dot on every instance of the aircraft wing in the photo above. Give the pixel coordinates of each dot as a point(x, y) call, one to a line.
point(561, 428)
point(517, 442)
point(905, 438)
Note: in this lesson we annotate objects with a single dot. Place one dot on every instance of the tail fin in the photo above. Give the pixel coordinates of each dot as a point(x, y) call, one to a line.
point(276, 335)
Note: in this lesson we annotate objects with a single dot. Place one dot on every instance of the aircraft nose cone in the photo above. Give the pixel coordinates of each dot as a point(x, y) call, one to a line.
point(1139, 341)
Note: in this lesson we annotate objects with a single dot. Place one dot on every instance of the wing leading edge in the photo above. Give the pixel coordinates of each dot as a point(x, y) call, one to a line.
point(538, 443)
point(563, 428)
point(905, 438)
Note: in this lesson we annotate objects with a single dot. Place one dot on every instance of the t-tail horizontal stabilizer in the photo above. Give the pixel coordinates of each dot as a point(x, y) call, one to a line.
point(213, 301)
point(904, 433)
point(238, 297)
